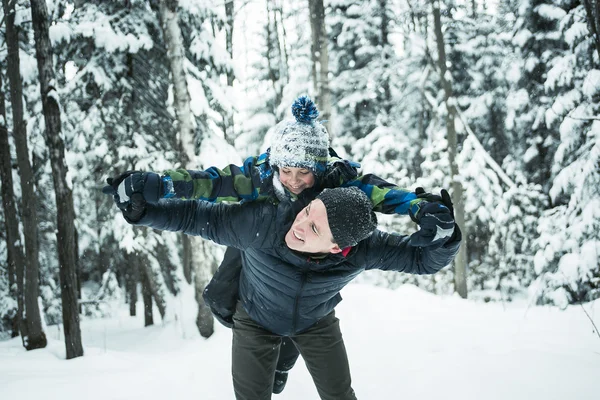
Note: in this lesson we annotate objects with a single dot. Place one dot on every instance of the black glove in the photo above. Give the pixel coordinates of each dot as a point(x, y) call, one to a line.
point(148, 184)
point(130, 191)
point(435, 217)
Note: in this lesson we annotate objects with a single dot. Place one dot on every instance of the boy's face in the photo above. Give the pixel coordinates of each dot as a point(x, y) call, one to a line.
point(310, 231)
point(296, 179)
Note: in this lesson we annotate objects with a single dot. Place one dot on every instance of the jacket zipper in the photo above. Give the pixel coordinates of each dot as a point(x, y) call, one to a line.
point(297, 301)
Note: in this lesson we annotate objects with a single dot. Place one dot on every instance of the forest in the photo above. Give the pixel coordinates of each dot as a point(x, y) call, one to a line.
point(495, 101)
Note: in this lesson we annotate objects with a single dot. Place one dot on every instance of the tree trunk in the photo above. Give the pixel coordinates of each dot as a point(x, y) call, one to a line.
point(131, 279)
point(594, 21)
point(284, 51)
point(228, 124)
point(320, 58)
point(155, 283)
point(147, 296)
point(384, 33)
point(33, 335)
point(14, 248)
point(460, 263)
point(176, 55)
point(229, 8)
point(187, 258)
point(63, 193)
point(204, 319)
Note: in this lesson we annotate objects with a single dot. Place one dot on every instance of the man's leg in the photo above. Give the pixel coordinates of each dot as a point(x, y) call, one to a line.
point(254, 356)
point(324, 352)
point(288, 354)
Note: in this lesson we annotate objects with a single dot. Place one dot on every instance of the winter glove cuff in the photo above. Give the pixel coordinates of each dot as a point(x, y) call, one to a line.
point(152, 187)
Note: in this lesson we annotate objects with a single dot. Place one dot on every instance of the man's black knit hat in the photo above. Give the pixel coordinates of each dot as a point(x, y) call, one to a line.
point(350, 215)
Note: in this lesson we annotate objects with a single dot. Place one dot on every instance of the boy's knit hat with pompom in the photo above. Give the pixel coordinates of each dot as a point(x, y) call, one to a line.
point(303, 143)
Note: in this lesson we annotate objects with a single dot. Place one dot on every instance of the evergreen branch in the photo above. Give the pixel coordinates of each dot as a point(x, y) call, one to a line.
point(490, 161)
point(584, 118)
point(477, 144)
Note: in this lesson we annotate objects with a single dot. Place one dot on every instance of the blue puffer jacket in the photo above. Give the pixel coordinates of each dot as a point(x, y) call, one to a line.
point(285, 291)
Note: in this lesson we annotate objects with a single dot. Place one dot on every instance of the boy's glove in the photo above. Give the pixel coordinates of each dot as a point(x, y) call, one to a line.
point(435, 218)
point(147, 184)
point(129, 191)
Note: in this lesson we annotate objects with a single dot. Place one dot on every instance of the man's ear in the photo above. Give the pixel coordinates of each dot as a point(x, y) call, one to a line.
point(335, 249)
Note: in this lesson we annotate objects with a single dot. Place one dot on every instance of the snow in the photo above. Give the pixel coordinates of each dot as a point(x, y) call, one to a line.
point(399, 343)
point(59, 32)
point(591, 84)
point(550, 12)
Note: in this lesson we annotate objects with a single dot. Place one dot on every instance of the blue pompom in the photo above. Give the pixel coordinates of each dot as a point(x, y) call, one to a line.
point(304, 110)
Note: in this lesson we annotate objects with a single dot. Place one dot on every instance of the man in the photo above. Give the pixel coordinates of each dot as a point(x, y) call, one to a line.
point(296, 260)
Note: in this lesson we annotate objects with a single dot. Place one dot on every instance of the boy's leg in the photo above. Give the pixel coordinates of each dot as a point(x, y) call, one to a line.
point(324, 352)
point(288, 355)
point(221, 294)
point(254, 356)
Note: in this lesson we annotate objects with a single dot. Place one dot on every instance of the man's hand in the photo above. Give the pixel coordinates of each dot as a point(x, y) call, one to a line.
point(435, 218)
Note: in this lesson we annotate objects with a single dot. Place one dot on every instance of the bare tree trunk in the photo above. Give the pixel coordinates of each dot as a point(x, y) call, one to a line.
point(34, 336)
point(204, 319)
point(63, 193)
point(278, 12)
point(315, 30)
point(274, 71)
point(593, 16)
point(229, 8)
point(176, 54)
point(131, 279)
point(228, 128)
point(320, 58)
point(384, 32)
point(460, 263)
point(155, 283)
point(14, 248)
point(187, 258)
point(147, 296)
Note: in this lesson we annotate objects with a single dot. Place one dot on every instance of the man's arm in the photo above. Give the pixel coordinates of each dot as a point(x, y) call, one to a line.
point(235, 225)
point(392, 252)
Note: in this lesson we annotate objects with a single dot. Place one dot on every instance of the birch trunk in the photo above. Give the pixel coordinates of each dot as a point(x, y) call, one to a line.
point(320, 58)
point(63, 193)
point(32, 332)
point(460, 263)
point(14, 248)
point(228, 123)
point(176, 55)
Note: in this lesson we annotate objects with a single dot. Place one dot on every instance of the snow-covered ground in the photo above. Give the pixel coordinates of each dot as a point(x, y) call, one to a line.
point(403, 344)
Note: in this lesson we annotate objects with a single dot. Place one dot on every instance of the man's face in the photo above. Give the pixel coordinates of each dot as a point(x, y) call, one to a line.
point(296, 179)
point(310, 231)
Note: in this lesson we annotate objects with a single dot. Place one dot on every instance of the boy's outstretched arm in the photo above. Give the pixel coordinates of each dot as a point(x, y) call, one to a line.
point(386, 197)
point(232, 183)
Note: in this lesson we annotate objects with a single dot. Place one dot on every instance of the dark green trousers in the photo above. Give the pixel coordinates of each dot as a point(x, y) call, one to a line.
point(256, 350)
